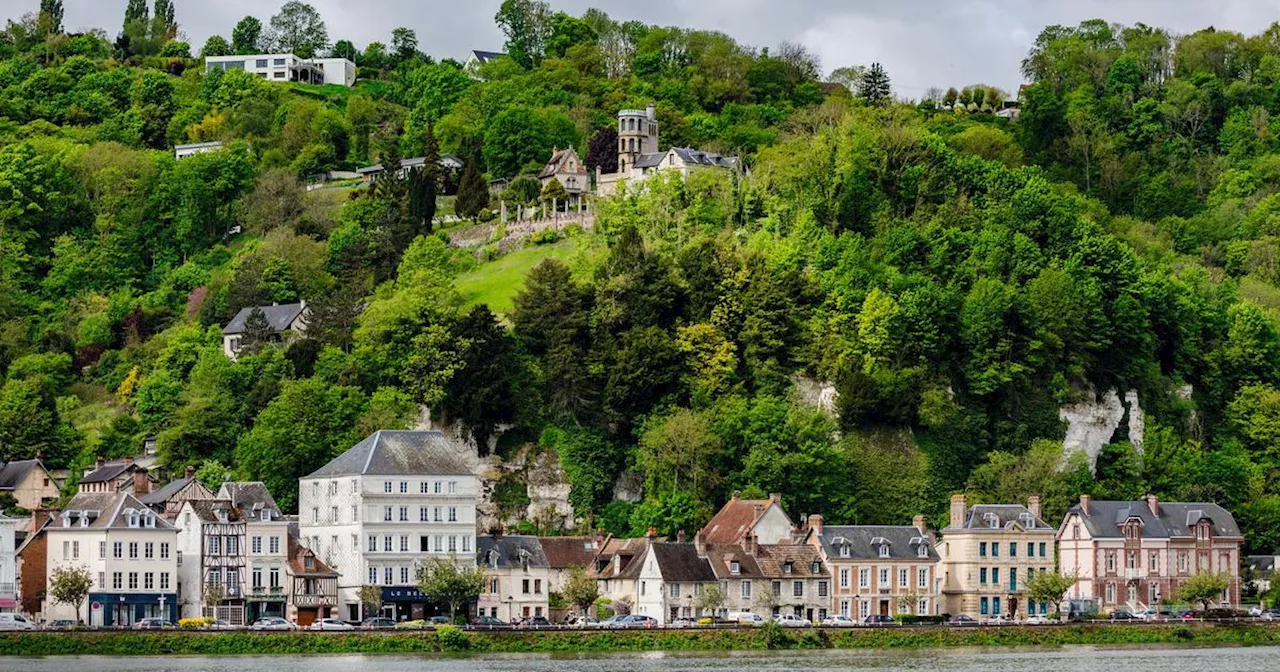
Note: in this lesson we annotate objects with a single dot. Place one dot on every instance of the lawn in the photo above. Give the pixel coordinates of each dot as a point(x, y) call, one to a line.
point(496, 282)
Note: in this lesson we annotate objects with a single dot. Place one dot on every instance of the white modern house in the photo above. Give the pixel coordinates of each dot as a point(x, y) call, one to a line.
point(8, 564)
point(288, 68)
point(129, 550)
point(378, 511)
point(181, 152)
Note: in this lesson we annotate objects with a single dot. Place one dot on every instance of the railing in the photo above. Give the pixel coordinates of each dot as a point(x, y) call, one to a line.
point(8, 589)
point(1131, 574)
point(265, 593)
point(314, 600)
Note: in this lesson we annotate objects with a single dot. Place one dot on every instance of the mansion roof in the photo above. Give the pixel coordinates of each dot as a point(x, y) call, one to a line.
point(398, 453)
point(1106, 519)
point(865, 541)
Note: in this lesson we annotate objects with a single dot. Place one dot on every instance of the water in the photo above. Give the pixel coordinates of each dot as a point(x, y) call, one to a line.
point(1066, 659)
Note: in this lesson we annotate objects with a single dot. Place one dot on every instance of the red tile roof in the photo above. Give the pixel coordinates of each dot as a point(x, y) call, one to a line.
point(734, 520)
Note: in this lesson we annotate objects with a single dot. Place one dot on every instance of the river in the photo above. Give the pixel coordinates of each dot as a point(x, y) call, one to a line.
point(1066, 659)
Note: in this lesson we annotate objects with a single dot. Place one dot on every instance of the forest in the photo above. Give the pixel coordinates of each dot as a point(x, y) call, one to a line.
point(956, 275)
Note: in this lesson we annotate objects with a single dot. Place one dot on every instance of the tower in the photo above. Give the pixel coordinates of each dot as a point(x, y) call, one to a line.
point(637, 134)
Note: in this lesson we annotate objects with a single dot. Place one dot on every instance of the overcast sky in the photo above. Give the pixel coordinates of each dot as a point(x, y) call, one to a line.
point(921, 43)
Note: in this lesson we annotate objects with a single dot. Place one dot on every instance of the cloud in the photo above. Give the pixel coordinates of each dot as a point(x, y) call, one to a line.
point(922, 43)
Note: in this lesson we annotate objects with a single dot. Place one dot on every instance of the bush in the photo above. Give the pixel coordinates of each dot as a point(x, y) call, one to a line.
point(452, 638)
point(194, 623)
point(774, 636)
point(546, 236)
point(411, 625)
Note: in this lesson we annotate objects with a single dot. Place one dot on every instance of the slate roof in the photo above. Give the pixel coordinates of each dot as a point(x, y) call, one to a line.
point(279, 316)
point(14, 473)
point(398, 453)
point(733, 520)
point(198, 145)
point(1177, 519)
point(720, 558)
point(1261, 563)
point(650, 160)
point(864, 541)
point(681, 563)
point(565, 552)
point(207, 509)
point(107, 510)
point(701, 158)
point(556, 163)
point(446, 161)
point(109, 472)
point(250, 498)
point(507, 552)
point(979, 517)
point(164, 494)
point(487, 56)
point(772, 560)
point(629, 549)
point(300, 554)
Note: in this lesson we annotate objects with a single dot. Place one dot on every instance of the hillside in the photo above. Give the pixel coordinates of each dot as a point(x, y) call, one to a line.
point(957, 277)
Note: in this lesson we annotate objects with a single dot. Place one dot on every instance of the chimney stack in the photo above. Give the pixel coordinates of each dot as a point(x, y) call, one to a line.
point(700, 542)
point(737, 494)
point(128, 459)
point(749, 544)
point(918, 521)
point(815, 523)
point(651, 533)
point(1154, 504)
point(141, 483)
point(1033, 505)
point(776, 498)
point(651, 112)
point(40, 456)
point(189, 472)
point(1084, 504)
point(958, 510)
point(680, 536)
point(98, 464)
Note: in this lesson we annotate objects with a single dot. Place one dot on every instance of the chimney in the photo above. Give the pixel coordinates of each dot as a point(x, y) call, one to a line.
point(958, 510)
point(736, 495)
point(651, 112)
point(98, 464)
point(1084, 504)
point(815, 523)
point(128, 459)
point(749, 544)
point(651, 533)
point(680, 536)
point(776, 498)
point(918, 521)
point(189, 472)
point(141, 483)
point(699, 542)
point(1033, 505)
point(40, 456)
point(1154, 505)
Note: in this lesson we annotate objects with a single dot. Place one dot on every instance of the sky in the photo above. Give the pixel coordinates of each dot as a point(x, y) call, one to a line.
point(922, 43)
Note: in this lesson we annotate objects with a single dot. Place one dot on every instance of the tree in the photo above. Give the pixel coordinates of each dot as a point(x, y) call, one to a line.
point(246, 36)
point(874, 87)
point(554, 193)
point(473, 192)
point(345, 49)
point(164, 22)
point(370, 598)
point(602, 151)
point(50, 17)
point(481, 394)
point(216, 45)
point(257, 331)
point(404, 42)
point(850, 77)
point(711, 600)
point(70, 585)
point(527, 25)
point(1204, 587)
point(448, 582)
point(580, 589)
point(300, 30)
point(1050, 587)
point(424, 184)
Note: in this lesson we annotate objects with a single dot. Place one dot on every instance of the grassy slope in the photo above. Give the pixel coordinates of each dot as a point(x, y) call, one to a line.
point(496, 282)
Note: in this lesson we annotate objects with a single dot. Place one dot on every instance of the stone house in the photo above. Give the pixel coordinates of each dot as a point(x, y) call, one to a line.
point(879, 569)
point(565, 166)
point(670, 578)
point(124, 475)
point(518, 578)
point(29, 482)
point(989, 553)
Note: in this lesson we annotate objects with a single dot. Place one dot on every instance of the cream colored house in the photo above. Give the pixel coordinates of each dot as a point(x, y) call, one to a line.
point(29, 483)
point(1134, 555)
point(879, 569)
point(518, 579)
point(285, 323)
point(989, 552)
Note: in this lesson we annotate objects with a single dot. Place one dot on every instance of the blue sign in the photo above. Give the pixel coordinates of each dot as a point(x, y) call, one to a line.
point(402, 594)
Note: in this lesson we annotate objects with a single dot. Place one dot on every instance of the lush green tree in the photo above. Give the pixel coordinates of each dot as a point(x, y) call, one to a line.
point(216, 45)
point(522, 137)
point(1203, 587)
point(473, 192)
point(299, 30)
point(452, 582)
point(246, 37)
point(481, 393)
point(1051, 587)
point(554, 193)
point(580, 589)
point(345, 49)
point(50, 17)
point(404, 43)
point(527, 25)
point(874, 86)
point(70, 585)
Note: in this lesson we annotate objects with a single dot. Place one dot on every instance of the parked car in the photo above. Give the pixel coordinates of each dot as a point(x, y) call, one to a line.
point(62, 624)
point(838, 621)
point(378, 623)
point(272, 623)
point(439, 620)
point(535, 622)
point(713, 621)
point(792, 621)
point(961, 619)
point(580, 621)
point(877, 619)
point(153, 624)
point(633, 621)
point(681, 623)
point(1270, 615)
point(1000, 619)
point(746, 618)
point(1122, 615)
point(330, 624)
point(1037, 619)
point(219, 624)
point(15, 622)
point(489, 622)
point(609, 622)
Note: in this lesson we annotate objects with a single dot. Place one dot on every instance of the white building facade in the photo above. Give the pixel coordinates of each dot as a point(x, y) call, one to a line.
point(379, 511)
point(8, 565)
point(288, 68)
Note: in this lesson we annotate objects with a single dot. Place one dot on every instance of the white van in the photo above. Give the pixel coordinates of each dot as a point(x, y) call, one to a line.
point(746, 618)
point(15, 622)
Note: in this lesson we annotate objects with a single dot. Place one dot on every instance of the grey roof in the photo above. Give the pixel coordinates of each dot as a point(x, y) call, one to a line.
point(864, 541)
point(109, 472)
point(198, 145)
point(107, 510)
point(446, 161)
point(162, 495)
point(279, 316)
point(13, 473)
point(981, 515)
point(1261, 563)
point(486, 56)
point(680, 562)
point(398, 453)
point(509, 551)
point(1176, 519)
point(250, 498)
point(649, 160)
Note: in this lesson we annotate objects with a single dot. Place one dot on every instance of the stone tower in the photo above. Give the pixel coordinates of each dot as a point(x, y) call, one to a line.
point(637, 134)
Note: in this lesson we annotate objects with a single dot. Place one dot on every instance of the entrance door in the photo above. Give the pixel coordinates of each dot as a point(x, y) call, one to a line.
point(307, 616)
point(884, 607)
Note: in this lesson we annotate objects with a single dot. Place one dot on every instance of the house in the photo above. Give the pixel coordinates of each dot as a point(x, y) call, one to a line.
point(567, 553)
point(211, 539)
point(8, 564)
point(181, 152)
point(565, 166)
point(448, 163)
point(478, 58)
point(32, 563)
point(286, 323)
point(989, 553)
point(29, 483)
point(639, 157)
point(129, 551)
point(288, 68)
point(609, 566)
point(168, 499)
point(517, 577)
point(670, 578)
point(380, 509)
point(878, 569)
point(1262, 569)
point(1136, 554)
point(313, 584)
point(123, 475)
point(266, 549)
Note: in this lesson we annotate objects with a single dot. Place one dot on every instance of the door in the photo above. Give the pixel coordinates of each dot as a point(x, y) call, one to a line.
point(307, 616)
point(884, 607)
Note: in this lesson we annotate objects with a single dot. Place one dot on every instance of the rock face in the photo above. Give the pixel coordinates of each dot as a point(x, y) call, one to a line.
point(1092, 424)
point(820, 394)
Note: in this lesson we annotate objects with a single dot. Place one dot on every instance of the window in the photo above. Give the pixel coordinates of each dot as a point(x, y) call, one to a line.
point(922, 579)
point(453, 543)
point(1031, 550)
point(255, 544)
point(864, 577)
point(404, 487)
point(903, 573)
point(995, 575)
point(1013, 549)
point(1153, 593)
point(117, 550)
point(777, 588)
point(102, 550)
point(1111, 562)
point(149, 581)
point(439, 543)
point(786, 567)
point(884, 577)
point(995, 606)
point(133, 550)
point(453, 514)
point(537, 586)
point(1153, 562)
point(437, 487)
point(844, 577)
point(404, 575)
point(233, 545)
point(423, 488)
point(995, 550)
point(164, 580)
point(274, 545)
point(466, 544)
point(133, 580)
point(884, 550)
point(1042, 547)
point(373, 543)
point(453, 487)
point(149, 550)
point(1013, 579)
point(983, 606)
point(675, 590)
point(102, 581)
point(179, 558)
point(315, 516)
point(404, 514)
point(982, 575)
point(66, 550)
point(260, 63)
point(117, 581)
point(797, 588)
point(923, 550)
point(424, 514)
point(1111, 593)
point(256, 578)
point(982, 549)
point(386, 487)
point(333, 514)
point(923, 607)
point(746, 589)
point(436, 514)
point(822, 589)
point(1182, 562)
point(404, 543)
point(274, 577)
point(386, 514)
point(386, 544)
point(387, 576)
point(524, 585)
point(734, 567)
point(373, 575)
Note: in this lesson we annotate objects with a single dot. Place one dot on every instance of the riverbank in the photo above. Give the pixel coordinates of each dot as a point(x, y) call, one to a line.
point(245, 643)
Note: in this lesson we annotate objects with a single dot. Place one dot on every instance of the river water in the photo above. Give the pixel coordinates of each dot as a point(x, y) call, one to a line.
point(1066, 659)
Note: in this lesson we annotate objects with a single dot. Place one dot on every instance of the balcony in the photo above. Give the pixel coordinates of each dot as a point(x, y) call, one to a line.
point(8, 589)
point(1131, 574)
point(314, 600)
point(265, 594)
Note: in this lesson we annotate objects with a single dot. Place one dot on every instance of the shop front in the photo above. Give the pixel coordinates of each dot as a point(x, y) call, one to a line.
point(406, 603)
point(123, 610)
point(263, 602)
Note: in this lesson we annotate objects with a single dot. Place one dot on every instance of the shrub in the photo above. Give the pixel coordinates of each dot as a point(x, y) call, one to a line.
point(774, 636)
point(194, 623)
point(452, 638)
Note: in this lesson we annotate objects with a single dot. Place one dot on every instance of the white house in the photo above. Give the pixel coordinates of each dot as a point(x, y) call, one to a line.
point(266, 548)
point(518, 578)
point(181, 152)
point(670, 578)
point(288, 68)
point(639, 157)
point(377, 511)
point(8, 564)
point(478, 58)
point(129, 551)
point(285, 322)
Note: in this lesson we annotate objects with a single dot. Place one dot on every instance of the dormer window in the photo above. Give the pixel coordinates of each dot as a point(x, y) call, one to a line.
point(149, 519)
point(222, 515)
point(1028, 520)
point(735, 568)
point(993, 521)
point(923, 550)
point(786, 567)
point(884, 549)
point(844, 550)
point(815, 568)
point(133, 518)
point(66, 518)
